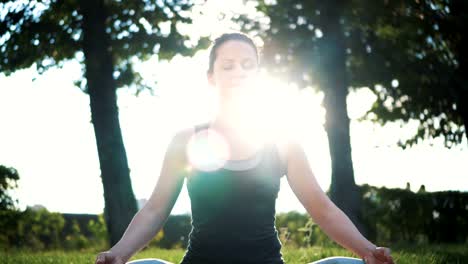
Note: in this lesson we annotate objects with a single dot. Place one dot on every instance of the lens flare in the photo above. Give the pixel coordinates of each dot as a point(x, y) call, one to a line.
point(266, 112)
point(207, 150)
point(269, 111)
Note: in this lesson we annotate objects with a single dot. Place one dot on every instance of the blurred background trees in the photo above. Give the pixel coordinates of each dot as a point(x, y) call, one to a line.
point(106, 37)
point(393, 217)
point(408, 53)
point(8, 181)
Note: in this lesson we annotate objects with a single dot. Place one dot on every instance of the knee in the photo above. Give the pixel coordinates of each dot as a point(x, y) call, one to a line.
point(338, 260)
point(149, 261)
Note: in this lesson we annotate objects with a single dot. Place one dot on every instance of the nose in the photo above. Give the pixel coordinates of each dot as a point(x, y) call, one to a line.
point(239, 72)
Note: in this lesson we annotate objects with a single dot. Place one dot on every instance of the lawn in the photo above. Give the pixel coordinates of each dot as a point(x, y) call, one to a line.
point(435, 254)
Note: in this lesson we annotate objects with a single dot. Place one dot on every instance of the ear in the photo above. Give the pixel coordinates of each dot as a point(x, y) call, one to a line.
point(210, 78)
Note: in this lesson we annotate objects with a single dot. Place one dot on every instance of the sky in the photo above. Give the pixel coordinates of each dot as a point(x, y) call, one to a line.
point(47, 136)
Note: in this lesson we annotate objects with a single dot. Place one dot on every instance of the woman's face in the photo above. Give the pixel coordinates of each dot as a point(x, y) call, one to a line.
point(234, 69)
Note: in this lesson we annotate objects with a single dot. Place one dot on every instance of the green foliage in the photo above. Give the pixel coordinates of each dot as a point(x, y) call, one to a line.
point(38, 229)
point(415, 65)
point(299, 230)
point(394, 216)
point(411, 54)
point(9, 220)
point(316, 236)
point(290, 226)
point(98, 230)
point(157, 239)
point(398, 215)
point(8, 181)
point(47, 34)
point(76, 239)
point(175, 232)
point(106, 38)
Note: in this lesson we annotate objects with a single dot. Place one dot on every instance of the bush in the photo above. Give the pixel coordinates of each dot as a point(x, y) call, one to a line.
point(291, 228)
point(98, 232)
point(175, 232)
point(299, 230)
point(392, 215)
point(32, 229)
point(397, 215)
point(41, 229)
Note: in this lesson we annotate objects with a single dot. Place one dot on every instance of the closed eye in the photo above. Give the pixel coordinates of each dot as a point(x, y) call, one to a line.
point(227, 67)
point(247, 65)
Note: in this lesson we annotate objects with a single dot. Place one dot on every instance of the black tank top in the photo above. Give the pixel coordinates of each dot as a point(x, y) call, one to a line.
point(233, 212)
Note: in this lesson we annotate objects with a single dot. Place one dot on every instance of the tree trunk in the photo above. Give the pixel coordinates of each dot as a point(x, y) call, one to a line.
point(462, 85)
point(458, 9)
point(462, 98)
point(343, 191)
point(120, 203)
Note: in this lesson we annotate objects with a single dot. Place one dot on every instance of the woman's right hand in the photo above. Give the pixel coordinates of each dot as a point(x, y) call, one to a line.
point(109, 257)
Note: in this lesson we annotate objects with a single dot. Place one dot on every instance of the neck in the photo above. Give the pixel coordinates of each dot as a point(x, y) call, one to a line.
point(237, 130)
point(228, 125)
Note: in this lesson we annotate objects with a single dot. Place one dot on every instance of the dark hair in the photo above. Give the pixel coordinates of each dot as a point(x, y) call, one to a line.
point(224, 38)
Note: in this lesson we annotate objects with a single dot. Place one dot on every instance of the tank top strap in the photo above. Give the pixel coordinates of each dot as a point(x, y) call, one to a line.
point(202, 126)
point(270, 151)
point(274, 157)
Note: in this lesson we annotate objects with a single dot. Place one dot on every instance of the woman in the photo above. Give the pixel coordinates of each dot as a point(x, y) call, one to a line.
point(233, 202)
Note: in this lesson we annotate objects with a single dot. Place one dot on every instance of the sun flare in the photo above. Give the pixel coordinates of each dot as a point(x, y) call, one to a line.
point(269, 112)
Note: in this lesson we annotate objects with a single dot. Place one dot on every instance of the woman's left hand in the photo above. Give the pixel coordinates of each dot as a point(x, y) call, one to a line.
point(380, 255)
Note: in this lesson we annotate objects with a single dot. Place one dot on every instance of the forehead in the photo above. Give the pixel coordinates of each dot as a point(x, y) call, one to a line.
point(235, 49)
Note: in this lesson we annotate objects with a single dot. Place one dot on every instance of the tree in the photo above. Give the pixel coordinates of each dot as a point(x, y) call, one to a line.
point(420, 52)
point(8, 180)
point(409, 53)
point(306, 43)
point(105, 36)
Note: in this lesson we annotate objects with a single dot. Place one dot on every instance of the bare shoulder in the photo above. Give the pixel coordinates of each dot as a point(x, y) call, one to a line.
point(183, 135)
point(287, 147)
point(178, 145)
point(282, 145)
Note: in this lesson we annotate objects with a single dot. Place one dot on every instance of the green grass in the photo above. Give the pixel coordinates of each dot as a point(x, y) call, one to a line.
point(435, 254)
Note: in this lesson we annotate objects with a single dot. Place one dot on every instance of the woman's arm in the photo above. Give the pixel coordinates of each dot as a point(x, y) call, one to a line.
point(149, 220)
point(322, 210)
